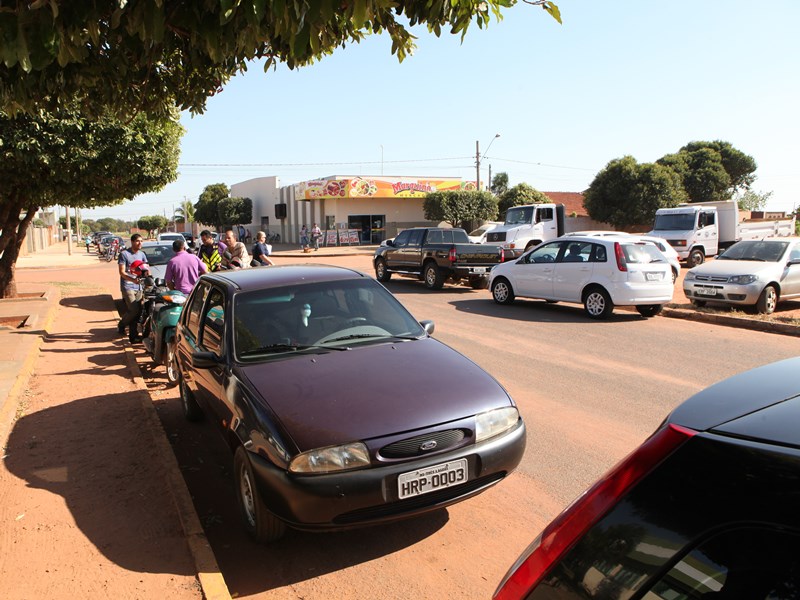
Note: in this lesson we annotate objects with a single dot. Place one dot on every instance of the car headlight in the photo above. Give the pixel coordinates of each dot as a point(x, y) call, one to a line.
point(495, 422)
point(331, 459)
point(689, 276)
point(175, 298)
point(743, 279)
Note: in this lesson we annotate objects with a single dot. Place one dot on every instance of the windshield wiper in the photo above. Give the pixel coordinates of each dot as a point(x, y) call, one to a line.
point(355, 336)
point(271, 348)
point(753, 258)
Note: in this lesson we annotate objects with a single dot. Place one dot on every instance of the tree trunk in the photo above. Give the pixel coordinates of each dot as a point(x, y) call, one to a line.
point(12, 234)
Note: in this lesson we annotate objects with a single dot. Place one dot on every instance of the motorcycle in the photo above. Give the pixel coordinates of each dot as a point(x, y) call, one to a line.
point(159, 318)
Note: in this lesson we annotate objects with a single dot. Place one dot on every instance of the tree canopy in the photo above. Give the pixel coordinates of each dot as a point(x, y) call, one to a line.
point(522, 193)
point(459, 207)
point(235, 211)
point(151, 54)
point(206, 209)
point(152, 223)
point(62, 157)
point(627, 193)
point(499, 184)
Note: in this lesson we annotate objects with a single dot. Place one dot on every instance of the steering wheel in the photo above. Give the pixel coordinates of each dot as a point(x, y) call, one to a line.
point(545, 258)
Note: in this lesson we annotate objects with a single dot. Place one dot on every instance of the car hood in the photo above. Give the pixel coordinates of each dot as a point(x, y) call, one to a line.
point(735, 267)
point(372, 391)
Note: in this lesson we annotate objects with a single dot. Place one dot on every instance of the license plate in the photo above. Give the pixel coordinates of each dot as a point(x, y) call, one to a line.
point(429, 479)
point(705, 291)
point(654, 276)
point(479, 270)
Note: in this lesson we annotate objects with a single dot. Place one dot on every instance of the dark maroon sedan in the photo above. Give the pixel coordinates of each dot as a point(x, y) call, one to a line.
point(339, 407)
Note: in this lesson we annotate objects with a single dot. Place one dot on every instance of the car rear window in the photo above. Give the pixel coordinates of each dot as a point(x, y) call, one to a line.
point(641, 253)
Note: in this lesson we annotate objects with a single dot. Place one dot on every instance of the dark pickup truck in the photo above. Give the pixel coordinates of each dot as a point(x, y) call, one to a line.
point(436, 255)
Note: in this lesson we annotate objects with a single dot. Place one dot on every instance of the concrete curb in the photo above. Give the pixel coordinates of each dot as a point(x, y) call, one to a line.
point(209, 575)
point(730, 321)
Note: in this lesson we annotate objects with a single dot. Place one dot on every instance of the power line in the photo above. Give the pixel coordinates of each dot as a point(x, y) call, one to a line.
point(321, 164)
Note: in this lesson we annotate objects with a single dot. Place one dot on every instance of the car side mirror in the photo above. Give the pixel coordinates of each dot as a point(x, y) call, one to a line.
point(204, 360)
point(428, 326)
point(390, 243)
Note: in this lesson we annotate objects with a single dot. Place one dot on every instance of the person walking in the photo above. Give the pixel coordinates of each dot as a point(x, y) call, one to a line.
point(237, 250)
point(261, 250)
point(183, 269)
point(316, 236)
point(304, 238)
point(130, 286)
point(211, 252)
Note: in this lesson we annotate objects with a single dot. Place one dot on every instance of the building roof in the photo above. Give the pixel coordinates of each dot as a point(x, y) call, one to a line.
point(572, 201)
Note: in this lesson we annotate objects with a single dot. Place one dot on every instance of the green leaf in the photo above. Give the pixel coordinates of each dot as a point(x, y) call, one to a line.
point(359, 12)
point(23, 56)
point(226, 12)
point(554, 12)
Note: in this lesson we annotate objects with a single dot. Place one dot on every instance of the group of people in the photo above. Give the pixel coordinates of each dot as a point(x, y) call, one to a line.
point(183, 269)
point(315, 235)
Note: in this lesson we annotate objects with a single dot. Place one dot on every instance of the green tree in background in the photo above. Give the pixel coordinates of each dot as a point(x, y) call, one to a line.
point(64, 158)
point(152, 54)
point(152, 223)
point(702, 174)
point(752, 200)
point(520, 194)
point(459, 207)
point(626, 193)
point(739, 166)
point(185, 213)
point(206, 209)
point(499, 185)
point(235, 211)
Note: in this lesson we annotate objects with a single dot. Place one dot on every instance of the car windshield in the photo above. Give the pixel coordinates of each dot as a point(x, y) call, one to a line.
point(479, 231)
point(330, 315)
point(674, 222)
point(642, 253)
point(519, 216)
point(758, 250)
point(158, 255)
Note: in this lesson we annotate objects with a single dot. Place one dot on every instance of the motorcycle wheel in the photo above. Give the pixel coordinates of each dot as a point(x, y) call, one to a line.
point(171, 362)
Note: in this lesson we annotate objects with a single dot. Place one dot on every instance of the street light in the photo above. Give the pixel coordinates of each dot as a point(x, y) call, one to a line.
point(478, 160)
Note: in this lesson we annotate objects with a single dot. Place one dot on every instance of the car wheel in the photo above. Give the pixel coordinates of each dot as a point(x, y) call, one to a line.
point(191, 409)
point(698, 303)
point(597, 303)
point(767, 300)
point(478, 283)
point(674, 276)
point(434, 280)
point(171, 361)
point(502, 291)
point(381, 272)
point(649, 310)
point(696, 257)
point(259, 523)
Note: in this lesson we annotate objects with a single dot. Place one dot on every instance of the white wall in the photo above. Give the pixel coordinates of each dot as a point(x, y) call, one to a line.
point(264, 192)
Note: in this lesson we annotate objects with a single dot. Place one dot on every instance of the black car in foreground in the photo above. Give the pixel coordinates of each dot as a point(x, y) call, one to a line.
point(338, 406)
point(707, 508)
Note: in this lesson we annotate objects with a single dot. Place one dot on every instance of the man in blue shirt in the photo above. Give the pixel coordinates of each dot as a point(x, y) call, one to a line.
point(130, 286)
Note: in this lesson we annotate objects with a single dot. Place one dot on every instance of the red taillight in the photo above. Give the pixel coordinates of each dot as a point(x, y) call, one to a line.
point(586, 510)
point(452, 255)
point(502, 255)
point(621, 265)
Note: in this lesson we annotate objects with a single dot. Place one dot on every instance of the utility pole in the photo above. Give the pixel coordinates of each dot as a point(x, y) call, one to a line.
point(69, 233)
point(477, 165)
point(489, 185)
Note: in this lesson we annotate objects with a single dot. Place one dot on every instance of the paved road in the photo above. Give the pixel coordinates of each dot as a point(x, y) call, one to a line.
point(589, 391)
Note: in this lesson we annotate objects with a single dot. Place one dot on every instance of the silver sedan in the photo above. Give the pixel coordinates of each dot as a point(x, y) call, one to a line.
point(753, 272)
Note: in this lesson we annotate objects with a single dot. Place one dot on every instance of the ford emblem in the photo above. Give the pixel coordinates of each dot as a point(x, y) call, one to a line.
point(429, 445)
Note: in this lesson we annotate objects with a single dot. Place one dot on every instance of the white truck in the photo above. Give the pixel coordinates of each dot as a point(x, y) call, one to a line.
point(704, 229)
point(527, 226)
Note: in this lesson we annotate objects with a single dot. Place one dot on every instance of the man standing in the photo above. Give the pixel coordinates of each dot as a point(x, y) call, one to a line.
point(237, 250)
point(183, 269)
point(316, 236)
point(261, 251)
point(211, 251)
point(130, 286)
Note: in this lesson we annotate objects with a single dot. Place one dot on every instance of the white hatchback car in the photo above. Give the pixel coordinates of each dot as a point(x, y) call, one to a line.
point(598, 272)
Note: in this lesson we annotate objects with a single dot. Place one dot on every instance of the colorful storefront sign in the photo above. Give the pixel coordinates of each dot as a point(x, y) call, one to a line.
point(377, 187)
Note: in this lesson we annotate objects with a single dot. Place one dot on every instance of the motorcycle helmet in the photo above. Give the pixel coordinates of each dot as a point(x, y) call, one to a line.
point(139, 268)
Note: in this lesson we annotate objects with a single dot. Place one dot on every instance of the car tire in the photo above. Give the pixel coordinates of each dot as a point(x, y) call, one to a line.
point(478, 283)
point(698, 303)
point(171, 361)
point(696, 257)
point(502, 292)
point(260, 524)
point(433, 277)
point(191, 409)
point(382, 274)
point(597, 303)
point(649, 310)
point(674, 276)
point(767, 300)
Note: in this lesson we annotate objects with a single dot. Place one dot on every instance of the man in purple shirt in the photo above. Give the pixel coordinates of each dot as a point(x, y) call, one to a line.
point(183, 269)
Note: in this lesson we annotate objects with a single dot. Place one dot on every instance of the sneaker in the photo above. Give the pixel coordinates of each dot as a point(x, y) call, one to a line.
point(135, 339)
point(121, 328)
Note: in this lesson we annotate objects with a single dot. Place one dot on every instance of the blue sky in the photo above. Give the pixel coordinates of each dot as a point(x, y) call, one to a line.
point(624, 77)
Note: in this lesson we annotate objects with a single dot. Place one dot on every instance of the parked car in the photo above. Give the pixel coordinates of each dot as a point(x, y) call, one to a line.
point(169, 236)
point(339, 407)
point(158, 255)
point(436, 255)
point(663, 246)
point(598, 272)
point(189, 238)
point(757, 273)
point(705, 508)
point(478, 236)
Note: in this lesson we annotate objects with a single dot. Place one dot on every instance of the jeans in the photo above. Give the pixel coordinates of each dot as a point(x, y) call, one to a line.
point(133, 302)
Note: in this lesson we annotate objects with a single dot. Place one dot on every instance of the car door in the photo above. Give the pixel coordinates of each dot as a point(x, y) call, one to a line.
point(211, 382)
point(790, 285)
point(533, 272)
point(394, 253)
point(411, 252)
point(573, 270)
point(188, 334)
